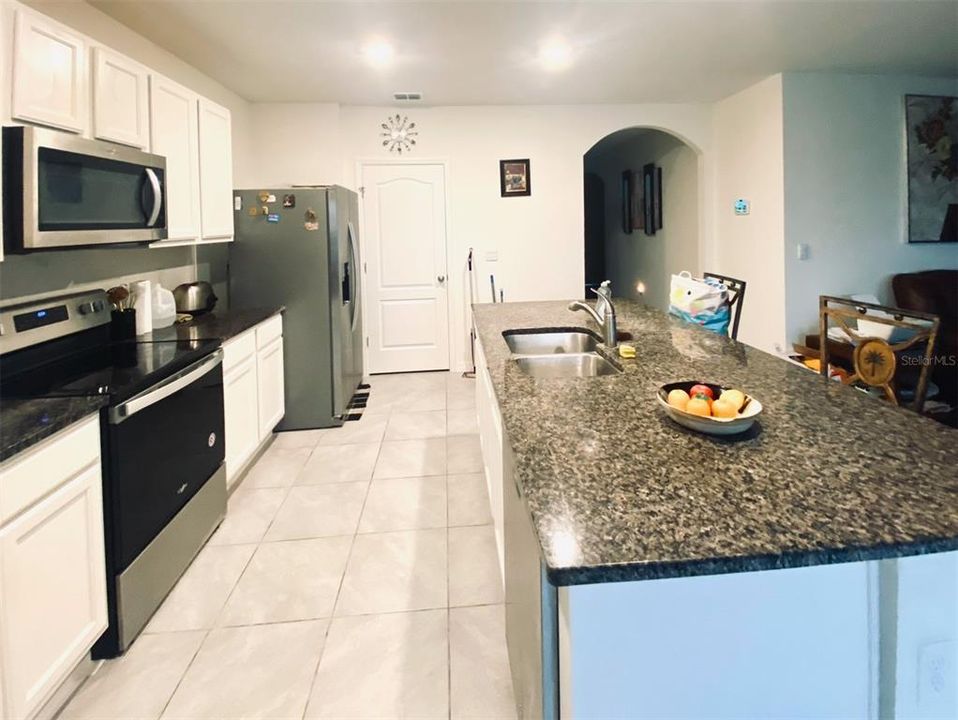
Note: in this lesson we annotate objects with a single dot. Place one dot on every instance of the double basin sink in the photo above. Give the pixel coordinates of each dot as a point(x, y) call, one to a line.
point(558, 353)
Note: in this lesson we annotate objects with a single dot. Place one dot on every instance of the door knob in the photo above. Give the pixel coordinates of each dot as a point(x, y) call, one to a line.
point(441, 278)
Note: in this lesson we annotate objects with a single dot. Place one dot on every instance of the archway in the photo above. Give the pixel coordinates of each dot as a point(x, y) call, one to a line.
point(638, 246)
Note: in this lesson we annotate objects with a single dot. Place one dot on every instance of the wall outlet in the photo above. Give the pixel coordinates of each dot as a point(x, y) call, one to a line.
point(742, 206)
point(937, 679)
point(492, 255)
point(801, 251)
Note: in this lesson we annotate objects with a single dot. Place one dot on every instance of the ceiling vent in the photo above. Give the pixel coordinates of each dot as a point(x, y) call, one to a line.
point(407, 96)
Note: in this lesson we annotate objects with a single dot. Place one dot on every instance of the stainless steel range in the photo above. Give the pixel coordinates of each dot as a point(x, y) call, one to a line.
point(164, 481)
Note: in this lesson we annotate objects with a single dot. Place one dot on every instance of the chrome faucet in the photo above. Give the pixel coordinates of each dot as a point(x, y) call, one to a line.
point(603, 314)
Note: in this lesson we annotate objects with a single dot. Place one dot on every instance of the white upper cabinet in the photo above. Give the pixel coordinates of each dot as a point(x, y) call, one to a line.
point(120, 99)
point(216, 172)
point(175, 135)
point(49, 73)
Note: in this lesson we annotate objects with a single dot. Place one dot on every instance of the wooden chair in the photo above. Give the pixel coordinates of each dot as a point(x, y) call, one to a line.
point(736, 298)
point(874, 359)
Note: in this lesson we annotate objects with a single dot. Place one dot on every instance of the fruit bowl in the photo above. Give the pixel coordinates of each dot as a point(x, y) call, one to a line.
point(745, 418)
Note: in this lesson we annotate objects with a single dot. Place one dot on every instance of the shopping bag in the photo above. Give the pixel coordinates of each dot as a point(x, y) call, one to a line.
point(703, 301)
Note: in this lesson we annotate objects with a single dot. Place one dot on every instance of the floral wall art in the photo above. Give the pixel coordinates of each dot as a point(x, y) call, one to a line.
point(931, 123)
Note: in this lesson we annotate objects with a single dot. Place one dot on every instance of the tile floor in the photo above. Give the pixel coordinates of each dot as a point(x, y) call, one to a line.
point(355, 576)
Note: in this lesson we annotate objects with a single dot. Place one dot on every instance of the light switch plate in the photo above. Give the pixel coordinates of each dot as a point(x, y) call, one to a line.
point(492, 255)
point(801, 251)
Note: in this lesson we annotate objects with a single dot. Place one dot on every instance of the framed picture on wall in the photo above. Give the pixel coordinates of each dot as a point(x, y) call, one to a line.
point(931, 132)
point(628, 189)
point(648, 195)
point(514, 178)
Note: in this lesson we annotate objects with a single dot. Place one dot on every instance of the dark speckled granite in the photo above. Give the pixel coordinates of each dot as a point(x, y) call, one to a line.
point(26, 422)
point(617, 491)
point(217, 325)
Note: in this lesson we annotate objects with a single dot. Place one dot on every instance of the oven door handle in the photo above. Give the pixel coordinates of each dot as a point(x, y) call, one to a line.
point(162, 391)
point(157, 197)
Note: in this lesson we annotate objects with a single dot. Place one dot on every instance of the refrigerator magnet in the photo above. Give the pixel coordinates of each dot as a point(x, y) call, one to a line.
point(289, 201)
point(272, 217)
point(310, 220)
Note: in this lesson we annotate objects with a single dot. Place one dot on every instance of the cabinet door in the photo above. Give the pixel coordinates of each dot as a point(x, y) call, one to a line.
point(52, 576)
point(49, 73)
point(240, 405)
point(272, 401)
point(120, 104)
point(491, 443)
point(174, 134)
point(216, 172)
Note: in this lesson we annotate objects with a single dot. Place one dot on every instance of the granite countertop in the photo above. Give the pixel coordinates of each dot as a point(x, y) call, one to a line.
point(216, 325)
point(617, 491)
point(26, 422)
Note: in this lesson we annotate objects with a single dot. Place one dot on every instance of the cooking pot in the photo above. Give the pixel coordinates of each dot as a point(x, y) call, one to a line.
point(194, 298)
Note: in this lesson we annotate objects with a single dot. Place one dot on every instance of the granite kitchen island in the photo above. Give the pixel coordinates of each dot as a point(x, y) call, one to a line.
point(638, 550)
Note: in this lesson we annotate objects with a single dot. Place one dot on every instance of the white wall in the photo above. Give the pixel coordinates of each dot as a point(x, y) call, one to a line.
point(539, 239)
point(637, 257)
point(845, 189)
point(749, 163)
point(293, 144)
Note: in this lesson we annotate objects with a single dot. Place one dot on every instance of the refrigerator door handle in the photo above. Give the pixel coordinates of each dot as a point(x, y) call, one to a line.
point(353, 302)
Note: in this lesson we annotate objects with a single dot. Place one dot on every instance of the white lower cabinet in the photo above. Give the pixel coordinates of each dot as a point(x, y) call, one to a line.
point(52, 568)
point(253, 391)
point(490, 438)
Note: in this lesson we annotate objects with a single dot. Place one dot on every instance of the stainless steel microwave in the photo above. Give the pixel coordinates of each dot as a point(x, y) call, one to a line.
point(60, 190)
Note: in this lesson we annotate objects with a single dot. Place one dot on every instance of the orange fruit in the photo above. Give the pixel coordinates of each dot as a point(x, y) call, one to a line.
point(723, 408)
point(699, 405)
point(736, 397)
point(678, 399)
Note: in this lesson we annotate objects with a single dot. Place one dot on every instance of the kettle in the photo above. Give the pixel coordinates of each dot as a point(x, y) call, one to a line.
point(194, 298)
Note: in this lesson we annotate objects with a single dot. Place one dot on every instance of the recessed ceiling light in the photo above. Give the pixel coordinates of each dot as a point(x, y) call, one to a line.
point(555, 54)
point(378, 53)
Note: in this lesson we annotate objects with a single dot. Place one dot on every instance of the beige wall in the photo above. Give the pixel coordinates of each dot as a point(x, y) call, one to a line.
point(650, 259)
point(749, 163)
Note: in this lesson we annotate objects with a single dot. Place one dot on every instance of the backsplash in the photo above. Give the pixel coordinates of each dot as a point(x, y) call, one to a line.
point(47, 273)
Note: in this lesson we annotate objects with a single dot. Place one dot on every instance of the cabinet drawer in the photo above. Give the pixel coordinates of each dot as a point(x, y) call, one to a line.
point(268, 331)
point(239, 349)
point(47, 466)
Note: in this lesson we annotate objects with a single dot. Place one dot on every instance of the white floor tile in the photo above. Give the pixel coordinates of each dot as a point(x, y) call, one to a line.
point(468, 500)
point(393, 572)
point(340, 463)
point(298, 438)
point(248, 515)
point(261, 671)
point(404, 504)
point(368, 429)
point(416, 425)
point(312, 511)
point(464, 454)
point(384, 666)
point(411, 458)
point(474, 577)
point(462, 422)
point(481, 680)
point(139, 683)
point(292, 580)
point(196, 600)
point(278, 467)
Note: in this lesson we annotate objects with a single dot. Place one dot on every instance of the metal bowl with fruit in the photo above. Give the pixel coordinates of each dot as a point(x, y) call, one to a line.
point(709, 408)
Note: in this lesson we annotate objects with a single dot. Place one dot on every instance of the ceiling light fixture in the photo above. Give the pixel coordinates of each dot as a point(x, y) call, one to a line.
point(555, 54)
point(378, 53)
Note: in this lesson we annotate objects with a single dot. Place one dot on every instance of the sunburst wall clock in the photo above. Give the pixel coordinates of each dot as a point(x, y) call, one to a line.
point(398, 134)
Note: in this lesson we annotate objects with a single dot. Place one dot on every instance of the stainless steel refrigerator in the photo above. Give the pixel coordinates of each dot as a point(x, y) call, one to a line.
point(298, 247)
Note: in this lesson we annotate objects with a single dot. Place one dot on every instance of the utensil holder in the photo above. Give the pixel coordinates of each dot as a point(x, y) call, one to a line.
point(123, 324)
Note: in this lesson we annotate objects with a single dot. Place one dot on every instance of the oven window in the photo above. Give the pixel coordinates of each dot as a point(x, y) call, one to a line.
point(80, 192)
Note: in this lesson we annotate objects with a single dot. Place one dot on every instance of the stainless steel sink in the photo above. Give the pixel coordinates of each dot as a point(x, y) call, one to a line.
point(566, 365)
point(550, 343)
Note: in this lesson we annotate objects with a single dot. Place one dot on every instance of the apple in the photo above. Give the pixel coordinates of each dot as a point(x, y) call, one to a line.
point(702, 390)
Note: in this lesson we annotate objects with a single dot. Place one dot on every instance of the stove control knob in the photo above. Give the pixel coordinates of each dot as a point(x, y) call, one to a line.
point(86, 308)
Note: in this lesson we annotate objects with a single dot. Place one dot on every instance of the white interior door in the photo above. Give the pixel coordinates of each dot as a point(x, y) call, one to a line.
point(407, 311)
